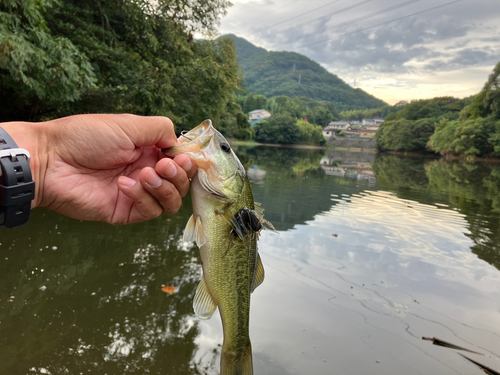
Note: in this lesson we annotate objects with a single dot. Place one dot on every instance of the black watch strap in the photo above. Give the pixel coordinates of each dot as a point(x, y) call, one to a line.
point(17, 188)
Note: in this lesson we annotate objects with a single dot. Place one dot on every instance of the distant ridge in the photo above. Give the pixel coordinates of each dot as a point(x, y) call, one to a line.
point(278, 73)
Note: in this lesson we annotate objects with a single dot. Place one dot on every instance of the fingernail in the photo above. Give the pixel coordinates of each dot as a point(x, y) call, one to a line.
point(125, 181)
point(170, 170)
point(153, 179)
point(187, 164)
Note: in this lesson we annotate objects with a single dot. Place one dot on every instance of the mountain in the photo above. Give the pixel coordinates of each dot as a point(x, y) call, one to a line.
point(292, 74)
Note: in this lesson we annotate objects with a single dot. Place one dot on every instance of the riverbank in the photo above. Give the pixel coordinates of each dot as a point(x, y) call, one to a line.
point(255, 144)
point(446, 157)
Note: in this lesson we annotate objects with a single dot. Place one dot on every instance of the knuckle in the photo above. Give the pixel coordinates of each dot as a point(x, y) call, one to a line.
point(174, 207)
point(168, 192)
point(152, 212)
point(162, 120)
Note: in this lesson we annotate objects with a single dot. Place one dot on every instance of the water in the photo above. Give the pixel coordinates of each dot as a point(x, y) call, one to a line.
point(373, 253)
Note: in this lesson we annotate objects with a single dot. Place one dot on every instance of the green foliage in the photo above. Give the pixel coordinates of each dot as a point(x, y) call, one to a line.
point(280, 128)
point(277, 73)
point(411, 128)
point(37, 69)
point(235, 124)
point(382, 112)
point(319, 112)
point(437, 108)
point(477, 130)
point(310, 133)
point(252, 102)
point(61, 58)
point(478, 137)
point(491, 91)
point(404, 135)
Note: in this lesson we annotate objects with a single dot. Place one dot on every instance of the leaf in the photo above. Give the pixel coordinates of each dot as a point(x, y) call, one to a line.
point(168, 289)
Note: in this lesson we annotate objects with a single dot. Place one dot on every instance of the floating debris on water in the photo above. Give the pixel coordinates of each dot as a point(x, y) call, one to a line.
point(168, 289)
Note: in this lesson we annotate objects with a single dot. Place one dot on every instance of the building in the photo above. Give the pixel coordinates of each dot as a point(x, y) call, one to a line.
point(372, 121)
point(257, 116)
point(335, 127)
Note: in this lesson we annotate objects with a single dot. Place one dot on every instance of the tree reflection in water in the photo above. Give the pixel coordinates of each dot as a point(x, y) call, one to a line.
point(86, 297)
point(79, 297)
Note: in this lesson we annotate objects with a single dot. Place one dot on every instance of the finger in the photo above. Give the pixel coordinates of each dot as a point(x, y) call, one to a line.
point(163, 191)
point(169, 170)
point(187, 164)
point(144, 206)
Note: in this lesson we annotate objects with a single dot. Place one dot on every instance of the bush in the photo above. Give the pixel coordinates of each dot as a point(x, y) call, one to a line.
point(310, 133)
point(280, 129)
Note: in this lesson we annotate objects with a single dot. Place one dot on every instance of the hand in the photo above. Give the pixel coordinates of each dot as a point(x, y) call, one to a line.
point(105, 167)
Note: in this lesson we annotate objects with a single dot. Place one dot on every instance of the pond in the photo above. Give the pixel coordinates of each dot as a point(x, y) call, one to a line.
point(373, 252)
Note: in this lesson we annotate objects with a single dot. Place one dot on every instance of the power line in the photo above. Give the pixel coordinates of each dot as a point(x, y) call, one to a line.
point(274, 11)
point(332, 14)
point(300, 15)
point(362, 18)
point(380, 24)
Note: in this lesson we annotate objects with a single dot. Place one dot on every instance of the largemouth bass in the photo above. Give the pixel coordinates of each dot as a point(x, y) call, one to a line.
point(225, 224)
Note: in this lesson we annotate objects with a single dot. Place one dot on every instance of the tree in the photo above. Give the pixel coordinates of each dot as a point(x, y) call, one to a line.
point(280, 129)
point(404, 135)
point(319, 116)
point(60, 58)
point(38, 70)
point(310, 133)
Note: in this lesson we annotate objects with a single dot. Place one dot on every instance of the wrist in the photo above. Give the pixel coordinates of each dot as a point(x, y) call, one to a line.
point(31, 137)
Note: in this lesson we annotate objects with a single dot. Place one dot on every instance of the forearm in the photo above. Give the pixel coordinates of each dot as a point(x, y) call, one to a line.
point(32, 137)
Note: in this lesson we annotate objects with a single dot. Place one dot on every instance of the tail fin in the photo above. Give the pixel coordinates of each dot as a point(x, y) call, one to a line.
point(233, 364)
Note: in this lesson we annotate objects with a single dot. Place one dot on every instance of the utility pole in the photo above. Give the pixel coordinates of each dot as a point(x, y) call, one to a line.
point(272, 108)
point(294, 67)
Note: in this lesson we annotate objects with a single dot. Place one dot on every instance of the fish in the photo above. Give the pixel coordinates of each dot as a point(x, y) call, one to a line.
point(226, 224)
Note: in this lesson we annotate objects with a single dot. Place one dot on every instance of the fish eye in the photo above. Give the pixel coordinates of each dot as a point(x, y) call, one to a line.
point(225, 147)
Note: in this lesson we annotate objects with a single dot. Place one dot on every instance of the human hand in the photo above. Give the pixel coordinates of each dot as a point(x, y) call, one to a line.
point(105, 167)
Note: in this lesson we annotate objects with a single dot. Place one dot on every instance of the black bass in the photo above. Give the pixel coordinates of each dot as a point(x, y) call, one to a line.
point(225, 224)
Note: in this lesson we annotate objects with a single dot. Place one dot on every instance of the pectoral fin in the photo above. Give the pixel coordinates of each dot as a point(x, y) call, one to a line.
point(259, 274)
point(194, 231)
point(203, 303)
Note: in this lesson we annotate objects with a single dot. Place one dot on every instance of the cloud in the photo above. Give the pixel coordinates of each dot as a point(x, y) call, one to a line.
point(449, 39)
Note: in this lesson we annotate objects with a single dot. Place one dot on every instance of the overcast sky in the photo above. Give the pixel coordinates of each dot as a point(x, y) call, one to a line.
point(393, 49)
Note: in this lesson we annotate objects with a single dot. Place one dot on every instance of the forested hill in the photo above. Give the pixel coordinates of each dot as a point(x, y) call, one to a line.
point(277, 73)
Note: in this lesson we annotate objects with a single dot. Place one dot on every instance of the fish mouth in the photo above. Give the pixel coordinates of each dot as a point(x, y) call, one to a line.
point(192, 139)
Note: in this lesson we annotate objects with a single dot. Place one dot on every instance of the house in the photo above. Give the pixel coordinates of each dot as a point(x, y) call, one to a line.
point(334, 127)
point(257, 116)
point(372, 121)
point(370, 127)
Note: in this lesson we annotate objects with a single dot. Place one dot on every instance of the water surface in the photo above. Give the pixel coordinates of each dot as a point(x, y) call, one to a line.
point(373, 253)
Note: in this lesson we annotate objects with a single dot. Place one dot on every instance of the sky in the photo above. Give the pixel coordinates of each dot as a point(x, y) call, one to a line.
point(393, 49)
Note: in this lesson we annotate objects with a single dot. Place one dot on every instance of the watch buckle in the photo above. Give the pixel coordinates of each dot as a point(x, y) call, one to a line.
point(14, 153)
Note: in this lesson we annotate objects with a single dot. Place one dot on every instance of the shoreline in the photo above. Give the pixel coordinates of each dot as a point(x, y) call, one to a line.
point(447, 157)
point(257, 144)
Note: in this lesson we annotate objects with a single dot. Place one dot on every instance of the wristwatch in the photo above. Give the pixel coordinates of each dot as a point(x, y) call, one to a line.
point(17, 188)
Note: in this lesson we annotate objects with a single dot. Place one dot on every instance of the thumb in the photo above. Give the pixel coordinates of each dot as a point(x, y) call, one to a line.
point(146, 131)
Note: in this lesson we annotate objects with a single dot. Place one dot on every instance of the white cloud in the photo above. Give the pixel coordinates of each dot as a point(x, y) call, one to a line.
point(446, 51)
